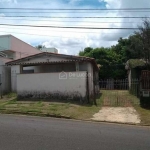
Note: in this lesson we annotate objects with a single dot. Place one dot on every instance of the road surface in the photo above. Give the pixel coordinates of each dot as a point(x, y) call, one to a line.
point(35, 133)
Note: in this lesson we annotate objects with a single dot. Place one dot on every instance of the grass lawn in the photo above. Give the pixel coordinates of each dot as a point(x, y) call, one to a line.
point(120, 98)
point(144, 114)
point(110, 98)
point(10, 105)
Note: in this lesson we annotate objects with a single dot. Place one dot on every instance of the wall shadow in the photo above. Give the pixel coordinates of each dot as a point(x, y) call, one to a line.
point(145, 103)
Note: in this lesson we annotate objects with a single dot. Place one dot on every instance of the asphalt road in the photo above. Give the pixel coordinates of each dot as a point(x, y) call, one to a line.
point(35, 133)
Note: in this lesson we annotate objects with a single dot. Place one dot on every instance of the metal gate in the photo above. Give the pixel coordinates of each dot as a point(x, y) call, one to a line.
point(119, 92)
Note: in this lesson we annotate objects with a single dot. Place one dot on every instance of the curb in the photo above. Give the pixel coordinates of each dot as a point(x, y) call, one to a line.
point(73, 119)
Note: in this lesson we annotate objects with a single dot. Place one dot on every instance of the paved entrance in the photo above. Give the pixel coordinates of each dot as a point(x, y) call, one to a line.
point(118, 114)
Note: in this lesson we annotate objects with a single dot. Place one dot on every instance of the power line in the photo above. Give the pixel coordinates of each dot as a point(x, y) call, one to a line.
point(47, 25)
point(67, 27)
point(50, 35)
point(77, 12)
point(68, 21)
point(46, 30)
point(76, 9)
point(39, 35)
point(73, 17)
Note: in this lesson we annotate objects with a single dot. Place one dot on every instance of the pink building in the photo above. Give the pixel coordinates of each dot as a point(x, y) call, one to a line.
point(13, 48)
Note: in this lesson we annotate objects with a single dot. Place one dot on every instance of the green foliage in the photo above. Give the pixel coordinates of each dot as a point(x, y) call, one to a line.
point(40, 47)
point(110, 61)
point(113, 59)
point(11, 95)
point(133, 63)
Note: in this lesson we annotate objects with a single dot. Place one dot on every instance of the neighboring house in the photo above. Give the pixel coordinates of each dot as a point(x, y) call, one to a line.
point(55, 76)
point(12, 48)
point(51, 50)
point(5, 74)
point(134, 68)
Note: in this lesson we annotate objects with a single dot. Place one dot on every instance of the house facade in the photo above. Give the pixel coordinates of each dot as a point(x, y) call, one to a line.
point(55, 76)
point(5, 74)
point(12, 48)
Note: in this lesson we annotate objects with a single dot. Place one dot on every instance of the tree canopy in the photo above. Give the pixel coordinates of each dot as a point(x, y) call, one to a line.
point(113, 59)
point(40, 47)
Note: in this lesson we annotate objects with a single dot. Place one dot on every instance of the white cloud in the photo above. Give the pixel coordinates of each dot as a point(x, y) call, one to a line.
point(8, 1)
point(113, 3)
point(71, 41)
point(2, 15)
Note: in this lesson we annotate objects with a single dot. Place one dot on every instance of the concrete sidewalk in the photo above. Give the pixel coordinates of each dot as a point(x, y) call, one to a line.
point(117, 114)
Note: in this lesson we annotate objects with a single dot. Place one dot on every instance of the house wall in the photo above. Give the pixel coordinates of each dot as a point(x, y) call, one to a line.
point(5, 74)
point(22, 49)
point(52, 68)
point(10, 55)
point(19, 55)
point(87, 66)
point(66, 67)
point(50, 85)
point(14, 71)
point(4, 43)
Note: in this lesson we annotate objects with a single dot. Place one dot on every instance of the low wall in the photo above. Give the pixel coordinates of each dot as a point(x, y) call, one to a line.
point(61, 86)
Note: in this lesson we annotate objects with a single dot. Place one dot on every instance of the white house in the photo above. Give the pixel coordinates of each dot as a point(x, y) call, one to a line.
point(55, 76)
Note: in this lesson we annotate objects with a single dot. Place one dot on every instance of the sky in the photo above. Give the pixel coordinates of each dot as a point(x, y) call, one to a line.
point(71, 41)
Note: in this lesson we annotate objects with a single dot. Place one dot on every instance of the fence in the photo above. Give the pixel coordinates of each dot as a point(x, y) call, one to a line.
point(111, 84)
point(120, 92)
point(122, 84)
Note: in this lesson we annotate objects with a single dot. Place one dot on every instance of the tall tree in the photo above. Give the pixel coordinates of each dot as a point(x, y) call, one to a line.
point(112, 60)
point(144, 33)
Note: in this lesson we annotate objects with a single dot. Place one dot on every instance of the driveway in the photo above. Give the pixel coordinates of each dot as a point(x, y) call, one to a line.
point(118, 114)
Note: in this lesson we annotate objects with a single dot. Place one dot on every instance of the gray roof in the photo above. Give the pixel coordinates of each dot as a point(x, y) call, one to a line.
point(71, 58)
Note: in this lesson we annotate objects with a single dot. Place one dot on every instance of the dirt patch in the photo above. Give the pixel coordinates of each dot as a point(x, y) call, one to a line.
point(117, 114)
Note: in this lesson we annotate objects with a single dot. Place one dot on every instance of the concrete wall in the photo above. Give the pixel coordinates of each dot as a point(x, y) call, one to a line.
point(50, 85)
point(129, 78)
point(5, 73)
point(87, 66)
point(14, 71)
point(84, 66)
